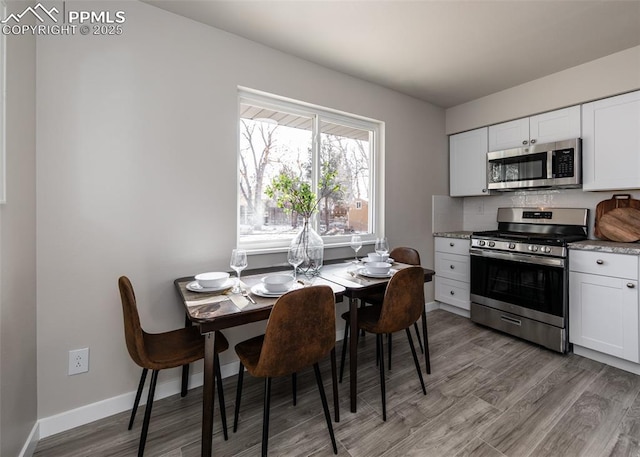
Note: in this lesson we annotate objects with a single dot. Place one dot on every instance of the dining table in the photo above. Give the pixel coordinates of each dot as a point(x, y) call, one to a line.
point(219, 310)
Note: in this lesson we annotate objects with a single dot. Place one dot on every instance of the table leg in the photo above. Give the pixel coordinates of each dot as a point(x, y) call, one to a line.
point(185, 368)
point(208, 394)
point(353, 353)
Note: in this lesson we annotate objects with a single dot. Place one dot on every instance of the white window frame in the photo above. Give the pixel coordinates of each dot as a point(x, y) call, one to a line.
point(3, 110)
point(376, 175)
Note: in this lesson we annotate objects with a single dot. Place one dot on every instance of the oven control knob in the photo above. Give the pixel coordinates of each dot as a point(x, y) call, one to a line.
point(533, 248)
point(481, 243)
point(492, 244)
point(512, 245)
point(546, 249)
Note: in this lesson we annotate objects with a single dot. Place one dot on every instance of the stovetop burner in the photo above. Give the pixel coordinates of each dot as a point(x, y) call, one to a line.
point(534, 231)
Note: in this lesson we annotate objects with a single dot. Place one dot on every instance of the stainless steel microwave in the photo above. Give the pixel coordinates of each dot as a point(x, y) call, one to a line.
point(550, 165)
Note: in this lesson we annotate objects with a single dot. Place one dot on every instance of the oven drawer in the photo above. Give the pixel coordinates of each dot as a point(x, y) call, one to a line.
point(452, 266)
point(604, 263)
point(453, 292)
point(452, 245)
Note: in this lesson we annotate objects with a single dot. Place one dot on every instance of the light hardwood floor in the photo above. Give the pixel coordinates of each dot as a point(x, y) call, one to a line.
point(488, 395)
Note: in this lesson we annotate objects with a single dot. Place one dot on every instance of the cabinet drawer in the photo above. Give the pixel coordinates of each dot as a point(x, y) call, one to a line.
point(604, 263)
point(452, 266)
point(452, 292)
point(452, 245)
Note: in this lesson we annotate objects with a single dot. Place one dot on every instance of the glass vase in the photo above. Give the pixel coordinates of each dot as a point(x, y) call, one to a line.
point(313, 248)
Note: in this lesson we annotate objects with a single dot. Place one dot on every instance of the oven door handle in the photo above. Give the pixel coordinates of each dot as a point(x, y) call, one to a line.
point(516, 257)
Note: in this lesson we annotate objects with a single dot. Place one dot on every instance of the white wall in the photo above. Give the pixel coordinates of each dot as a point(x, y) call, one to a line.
point(18, 389)
point(610, 75)
point(136, 175)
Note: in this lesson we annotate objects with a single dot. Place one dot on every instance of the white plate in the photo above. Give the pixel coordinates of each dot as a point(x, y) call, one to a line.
point(363, 272)
point(367, 259)
point(260, 291)
point(193, 286)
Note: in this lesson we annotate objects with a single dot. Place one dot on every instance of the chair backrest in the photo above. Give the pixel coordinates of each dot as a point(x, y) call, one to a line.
point(133, 333)
point(301, 331)
point(403, 300)
point(405, 255)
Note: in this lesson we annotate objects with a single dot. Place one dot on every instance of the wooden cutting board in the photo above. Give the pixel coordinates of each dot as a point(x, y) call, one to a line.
point(616, 201)
point(621, 224)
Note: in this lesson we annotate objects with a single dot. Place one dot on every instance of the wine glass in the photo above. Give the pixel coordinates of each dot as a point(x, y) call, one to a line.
point(295, 256)
point(356, 244)
point(382, 247)
point(238, 263)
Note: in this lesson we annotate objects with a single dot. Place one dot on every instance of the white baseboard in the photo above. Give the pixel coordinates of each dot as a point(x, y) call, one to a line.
point(88, 413)
point(455, 310)
point(431, 306)
point(607, 359)
point(32, 441)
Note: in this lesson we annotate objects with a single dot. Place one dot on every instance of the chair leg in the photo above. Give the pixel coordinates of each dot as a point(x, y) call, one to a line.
point(136, 402)
point(294, 387)
point(325, 406)
point(265, 416)
point(425, 337)
point(223, 411)
point(415, 327)
point(185, 380)
point(147, 413)
point(238, 397)
point(344, 348)
point(415, 360)
point(382, 383)
point(334, 382)
point(389, 336)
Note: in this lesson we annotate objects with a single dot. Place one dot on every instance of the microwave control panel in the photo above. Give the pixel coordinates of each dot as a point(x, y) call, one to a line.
point(563, 163)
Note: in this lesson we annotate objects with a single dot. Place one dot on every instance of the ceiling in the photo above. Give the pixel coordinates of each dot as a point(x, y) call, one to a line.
point(445, 52)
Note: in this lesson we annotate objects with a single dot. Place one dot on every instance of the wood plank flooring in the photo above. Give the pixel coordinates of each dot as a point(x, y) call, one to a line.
point(488, 395)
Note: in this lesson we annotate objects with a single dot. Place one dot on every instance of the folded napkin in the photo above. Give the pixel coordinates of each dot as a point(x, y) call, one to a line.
point(239, 300)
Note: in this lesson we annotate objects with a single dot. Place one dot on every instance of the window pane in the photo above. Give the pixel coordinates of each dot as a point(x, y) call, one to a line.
point(272, 141)
point(345, 151)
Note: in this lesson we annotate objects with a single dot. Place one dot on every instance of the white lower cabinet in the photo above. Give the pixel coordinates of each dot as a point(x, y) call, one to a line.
point(603, 303)
point(452, 272)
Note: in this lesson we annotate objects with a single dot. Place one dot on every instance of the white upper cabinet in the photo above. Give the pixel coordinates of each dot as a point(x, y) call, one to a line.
point(468, 163)
point(611, 143)
point(562, 124)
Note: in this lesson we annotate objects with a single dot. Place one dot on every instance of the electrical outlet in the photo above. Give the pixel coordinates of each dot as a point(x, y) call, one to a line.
point(78, 361)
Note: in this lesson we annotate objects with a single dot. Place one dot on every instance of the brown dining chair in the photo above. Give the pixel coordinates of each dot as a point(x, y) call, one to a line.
point(158, 351)
point(300, 332)
point(402, 306)
point(407, 256)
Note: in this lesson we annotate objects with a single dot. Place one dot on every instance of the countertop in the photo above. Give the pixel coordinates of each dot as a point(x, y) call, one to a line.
point(463, 235)
point(606, 246)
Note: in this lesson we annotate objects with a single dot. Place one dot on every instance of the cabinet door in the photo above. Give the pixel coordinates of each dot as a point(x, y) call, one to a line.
point(559, 125)
point(468, 163)
point(508, 135)
point(611, 143)
point(603, 314)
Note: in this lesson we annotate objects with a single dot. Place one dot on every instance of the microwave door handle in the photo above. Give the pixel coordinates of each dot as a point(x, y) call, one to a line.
point(550, 159)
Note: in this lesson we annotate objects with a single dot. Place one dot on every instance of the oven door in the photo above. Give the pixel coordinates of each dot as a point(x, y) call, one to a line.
point(526, 285)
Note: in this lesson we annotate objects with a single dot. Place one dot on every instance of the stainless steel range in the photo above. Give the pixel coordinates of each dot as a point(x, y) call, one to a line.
point(519, 273)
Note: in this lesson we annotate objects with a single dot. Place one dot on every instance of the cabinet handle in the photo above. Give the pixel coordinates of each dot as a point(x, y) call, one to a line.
point(452, 292)
point(630, 285)
point(452, 267)
point(452, 244)
point(533, 141)
point(599, 261)
point(524, 141)
point(484, 190)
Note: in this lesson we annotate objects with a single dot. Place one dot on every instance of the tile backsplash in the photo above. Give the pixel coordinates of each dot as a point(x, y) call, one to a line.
point(479, 213)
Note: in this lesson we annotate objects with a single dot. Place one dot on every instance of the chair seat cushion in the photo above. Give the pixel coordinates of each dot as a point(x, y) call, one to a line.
point(249, 352)
point(367, 317)
point(178, 347)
